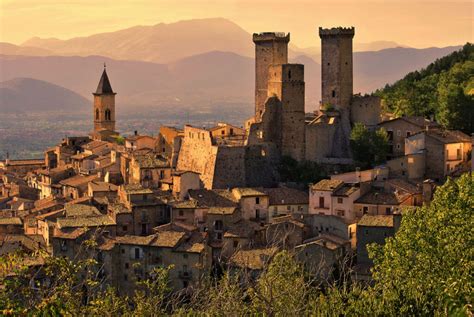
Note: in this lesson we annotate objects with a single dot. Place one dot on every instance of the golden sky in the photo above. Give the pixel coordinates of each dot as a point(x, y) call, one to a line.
point(416, 23)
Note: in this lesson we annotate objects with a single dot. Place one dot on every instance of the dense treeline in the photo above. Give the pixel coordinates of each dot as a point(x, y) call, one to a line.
point(427, 269)
point(444, 90)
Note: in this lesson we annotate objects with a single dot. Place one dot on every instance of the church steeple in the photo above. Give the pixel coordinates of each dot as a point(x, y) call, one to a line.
point(104, 86)
point(104, 105)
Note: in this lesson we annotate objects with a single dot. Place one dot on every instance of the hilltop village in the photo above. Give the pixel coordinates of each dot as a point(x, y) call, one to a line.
point(206, 198)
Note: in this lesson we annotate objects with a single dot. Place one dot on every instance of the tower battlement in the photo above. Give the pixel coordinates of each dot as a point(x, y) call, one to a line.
point(271, 36)
point(337, 31)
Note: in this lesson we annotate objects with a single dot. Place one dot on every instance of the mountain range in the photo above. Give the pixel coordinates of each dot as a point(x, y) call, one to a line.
point(188, 64)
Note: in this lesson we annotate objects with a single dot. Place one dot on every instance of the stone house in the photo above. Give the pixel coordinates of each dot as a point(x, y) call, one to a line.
point(135, 257)
point(322, 256)
point(76, 186)
point(243, 234)
point(330, 225)
point(284, 232)
point(143, 206)
point(399, 129)
point(150, 170)
point(98, 189)
point(286, 201)
point(383, 202)
point(11, 225)
point(445, 151)
point(253, 203)
point(320, 196)
point(138, 142)
point(51, 177)
point(183, 181)
point(374, 229)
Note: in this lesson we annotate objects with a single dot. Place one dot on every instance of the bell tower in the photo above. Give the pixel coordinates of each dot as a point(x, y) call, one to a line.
point(104, 105)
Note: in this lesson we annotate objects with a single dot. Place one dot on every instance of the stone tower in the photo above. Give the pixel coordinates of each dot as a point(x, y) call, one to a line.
point(270, 49)
point(286, 82)
point(336, 67)
point(104, 105)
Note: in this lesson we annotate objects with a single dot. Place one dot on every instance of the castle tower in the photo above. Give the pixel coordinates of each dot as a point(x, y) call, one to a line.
point(104, 105)
point(286, 82)
point(336, 67)
point(270, 49)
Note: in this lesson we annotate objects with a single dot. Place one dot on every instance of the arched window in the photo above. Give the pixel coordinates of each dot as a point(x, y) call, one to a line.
point(97, 114)
point(107, 114)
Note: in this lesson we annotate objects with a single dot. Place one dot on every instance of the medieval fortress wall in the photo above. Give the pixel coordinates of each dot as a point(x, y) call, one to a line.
point(278, 127)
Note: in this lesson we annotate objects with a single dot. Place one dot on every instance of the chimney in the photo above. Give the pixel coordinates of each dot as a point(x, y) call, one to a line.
point(7, 160)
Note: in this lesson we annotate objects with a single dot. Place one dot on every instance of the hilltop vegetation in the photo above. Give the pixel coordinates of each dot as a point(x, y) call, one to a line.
point(443, 90)
point(425, 270)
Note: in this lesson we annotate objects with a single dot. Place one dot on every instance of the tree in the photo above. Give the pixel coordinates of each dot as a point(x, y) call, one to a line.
point(369, 148)
point(428, 267)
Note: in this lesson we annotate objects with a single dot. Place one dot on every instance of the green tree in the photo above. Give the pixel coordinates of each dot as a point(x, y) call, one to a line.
point(369, 148)
point(281, 290)
point(428, 267)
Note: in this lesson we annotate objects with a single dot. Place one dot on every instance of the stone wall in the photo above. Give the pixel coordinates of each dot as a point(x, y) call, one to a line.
point(366, 110)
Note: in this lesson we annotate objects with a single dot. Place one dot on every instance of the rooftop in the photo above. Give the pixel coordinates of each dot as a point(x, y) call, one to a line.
point(376, 221)
point(254, 259)
point(287, 196)
point(77, 180)
point(375, 197)
point(104, 86)
point(151, 161)
point(136, 189)
point(328, 185)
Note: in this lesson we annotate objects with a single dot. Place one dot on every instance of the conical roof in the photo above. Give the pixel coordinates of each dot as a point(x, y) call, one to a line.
point(104, 86)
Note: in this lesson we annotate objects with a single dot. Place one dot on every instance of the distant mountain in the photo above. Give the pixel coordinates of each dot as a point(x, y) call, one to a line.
point(161, 43)
point(164, 43)
point(32, 95)
point(211, 77)
point(12, 49)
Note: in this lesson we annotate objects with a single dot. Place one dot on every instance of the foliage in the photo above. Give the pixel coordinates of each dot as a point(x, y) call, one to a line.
point(429, 265)
point(443, 90)
point(369, 148)
point(304, 172)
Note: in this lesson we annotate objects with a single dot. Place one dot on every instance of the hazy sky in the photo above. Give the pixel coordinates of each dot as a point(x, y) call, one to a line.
point(417, 23)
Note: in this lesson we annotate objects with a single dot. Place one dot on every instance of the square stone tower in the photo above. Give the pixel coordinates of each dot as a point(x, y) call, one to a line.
point(270, 49)
point(104, 105)
point(336, 67)
point(286, 82)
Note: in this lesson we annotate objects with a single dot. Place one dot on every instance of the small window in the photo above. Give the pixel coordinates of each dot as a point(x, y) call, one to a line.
point(408, 133)
point(257, 200)
point(127, 265)
point(181, 213)
point(137, 253)
point(185, 256)
point(340, 200)
point(236, 244)
point(365, 210)
point(388, 211)
point(124, 228)
point(333, 93)
point(125, 277)
point(97, 114)
point(289, 74)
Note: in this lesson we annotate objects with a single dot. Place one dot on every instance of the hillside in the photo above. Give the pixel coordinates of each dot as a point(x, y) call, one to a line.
point(32, 95)
point(444, 90)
